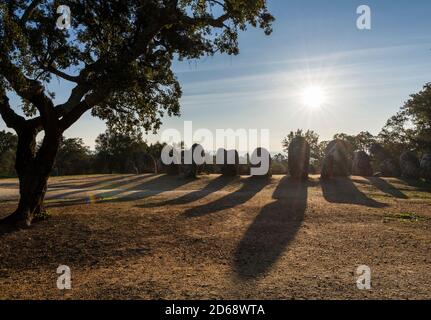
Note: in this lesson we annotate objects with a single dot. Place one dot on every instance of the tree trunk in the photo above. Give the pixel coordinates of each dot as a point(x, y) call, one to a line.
point(156, 169)
point(33, 172)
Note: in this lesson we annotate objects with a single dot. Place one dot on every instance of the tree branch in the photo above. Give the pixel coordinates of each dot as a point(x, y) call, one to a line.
point(9, 116)
point(62, 74)
point(78, 110)
point(29, 11)
point(29, 89)
point(75, 98)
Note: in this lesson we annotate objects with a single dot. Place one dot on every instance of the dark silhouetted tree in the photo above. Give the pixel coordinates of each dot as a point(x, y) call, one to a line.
point(118, 55)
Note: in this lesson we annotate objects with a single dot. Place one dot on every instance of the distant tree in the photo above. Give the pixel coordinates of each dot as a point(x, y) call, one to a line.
point(8, 143)
point(279, 164)
point(120, 152)
point(417, 113)
point(279, 157)
point(155, 152)
point(311, 137)
point(351, 139)
point(118, 54)
point(410, 128)
point(396, 137)
point(359, 142)
point(364, 141)
point(73, 157)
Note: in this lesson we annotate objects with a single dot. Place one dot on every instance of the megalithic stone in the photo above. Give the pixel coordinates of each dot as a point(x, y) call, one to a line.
point(361, 165)
point(260, 163)
point(190, 166)
point(410, 166)
point(337, 162)
point(426, 167)
point(299, 158)
point(228, 162)
point(388, 168)
point(174, 168)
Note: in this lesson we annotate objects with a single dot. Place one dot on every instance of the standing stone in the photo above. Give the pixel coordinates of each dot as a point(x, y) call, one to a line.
point(410, 166)
point(337, 161)
point(388, 168)
point(361, 164)
point(172, 169)
point(378, 152)
point(228, 162)
point(190, 167)
point(426, 167)
point(299, 158)
point(258, 154)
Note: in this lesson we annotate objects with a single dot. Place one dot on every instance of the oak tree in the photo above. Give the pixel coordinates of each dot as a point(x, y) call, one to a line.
point(117, 54)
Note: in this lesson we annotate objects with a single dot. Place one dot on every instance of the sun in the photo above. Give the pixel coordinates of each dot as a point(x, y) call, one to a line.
point(314, 97)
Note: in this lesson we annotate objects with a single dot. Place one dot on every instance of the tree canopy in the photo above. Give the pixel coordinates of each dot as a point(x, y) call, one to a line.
point(117, 53)
point(410, 128)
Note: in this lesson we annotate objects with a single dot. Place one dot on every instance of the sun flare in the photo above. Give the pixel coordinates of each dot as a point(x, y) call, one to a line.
point(314, 97)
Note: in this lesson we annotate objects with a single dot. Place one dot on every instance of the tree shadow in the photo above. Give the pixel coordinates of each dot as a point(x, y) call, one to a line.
point(9, 185)
point(161, 184)
point(112, 183)
point(213, 186)
point(6, 229)
point(103, 246)
point(250, 187)
point(272, 230)
point(343, 190)
point(386, 187)
point(137, 190)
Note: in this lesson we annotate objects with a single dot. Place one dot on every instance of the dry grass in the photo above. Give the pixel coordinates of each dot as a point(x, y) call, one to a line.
point(158, 237)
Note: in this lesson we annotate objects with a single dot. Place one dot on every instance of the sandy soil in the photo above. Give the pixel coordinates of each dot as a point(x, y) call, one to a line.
point(159, 237)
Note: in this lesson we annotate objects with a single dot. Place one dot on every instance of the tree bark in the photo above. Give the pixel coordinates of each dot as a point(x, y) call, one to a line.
point(33, 171)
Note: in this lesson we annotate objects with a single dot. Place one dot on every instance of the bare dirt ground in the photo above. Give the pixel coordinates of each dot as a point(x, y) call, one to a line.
point(159, 237)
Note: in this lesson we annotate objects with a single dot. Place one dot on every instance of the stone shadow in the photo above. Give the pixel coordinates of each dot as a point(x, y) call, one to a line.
point(250, 187)
point(213, 186)
point(272, 230)
point(343, 190)
point(386, 187)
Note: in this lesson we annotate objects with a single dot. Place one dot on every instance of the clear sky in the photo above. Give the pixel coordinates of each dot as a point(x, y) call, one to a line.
point(365, 76)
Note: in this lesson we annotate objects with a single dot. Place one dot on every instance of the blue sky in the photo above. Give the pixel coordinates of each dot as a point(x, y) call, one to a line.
point(366, 75)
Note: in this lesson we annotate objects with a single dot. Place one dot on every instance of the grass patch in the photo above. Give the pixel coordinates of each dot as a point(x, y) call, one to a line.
point(406, 217)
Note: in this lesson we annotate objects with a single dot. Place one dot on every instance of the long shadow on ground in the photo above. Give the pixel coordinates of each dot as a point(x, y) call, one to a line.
point(213, 186)
point(250, 187)
point(161, 184)
point(272, 230)
point(419, 185)
point(343, 190)
point(112, 182)
point(386, 187)
point(139, 186)
point(70, 239)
